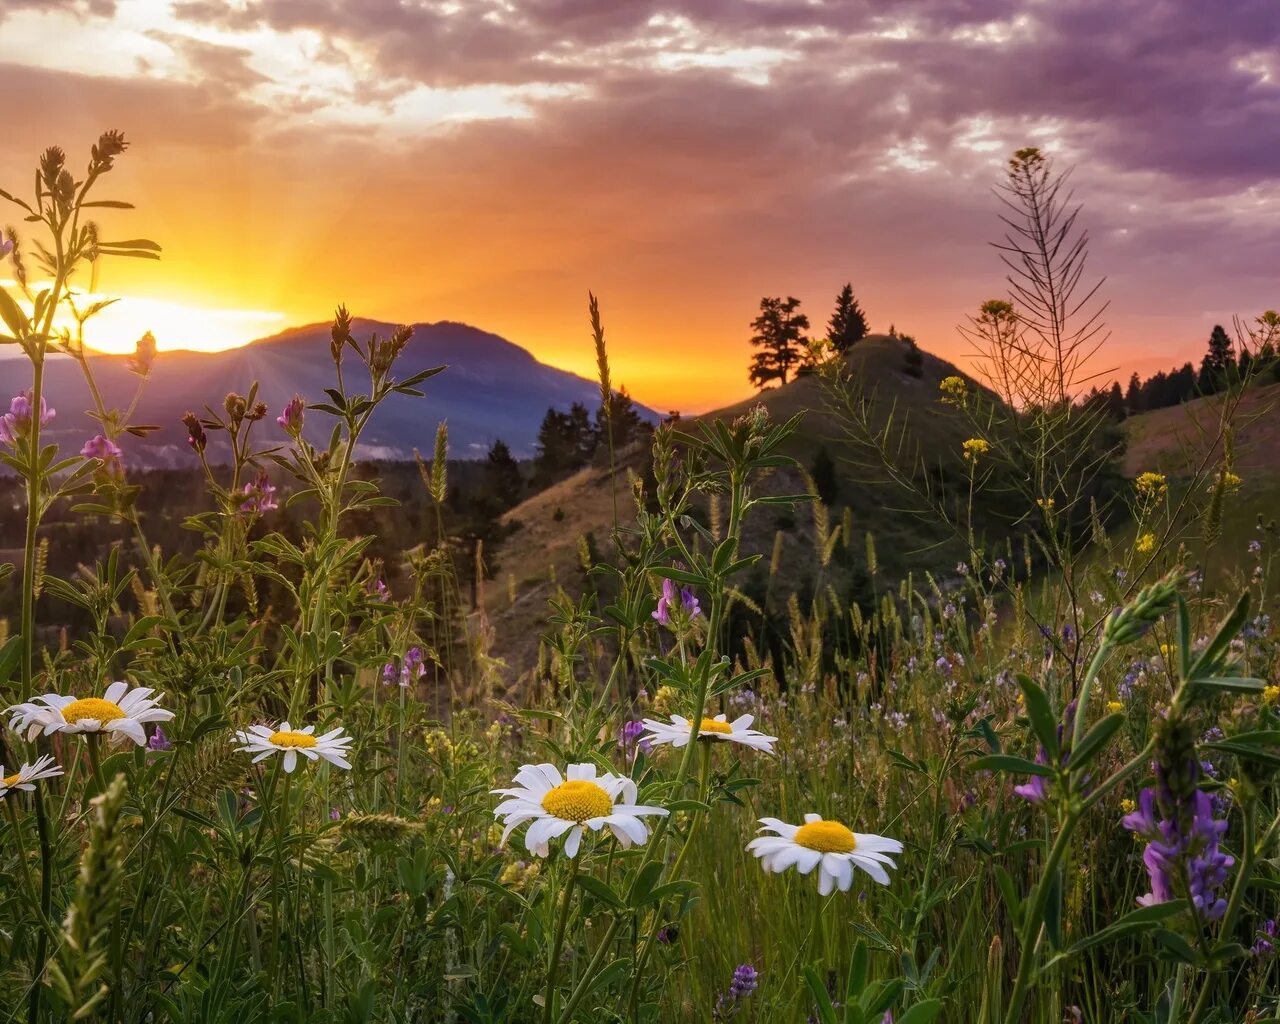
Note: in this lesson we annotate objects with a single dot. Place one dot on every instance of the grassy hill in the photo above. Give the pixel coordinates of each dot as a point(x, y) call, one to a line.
point(554, 527)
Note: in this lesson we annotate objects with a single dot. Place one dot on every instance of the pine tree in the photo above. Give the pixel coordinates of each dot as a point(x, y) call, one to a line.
point(848, 323)
point(779, 334)
point(1219, 361)
point(503, 478)
point(628, 425)
point(1133, 396)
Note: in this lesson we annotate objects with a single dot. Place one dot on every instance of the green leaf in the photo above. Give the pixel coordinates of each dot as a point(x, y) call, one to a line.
point(600, 891)
point(14, 318)
point(922, 1013)
point(1221, 642)
point(1011, 763)
point(826, 1012)
point(1247, 752)
point(1140, 920)
point(1094, 740)
point(1043, 722)
point(1231, 684)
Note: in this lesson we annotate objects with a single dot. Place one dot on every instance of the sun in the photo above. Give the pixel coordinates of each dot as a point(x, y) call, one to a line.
point(176, 325)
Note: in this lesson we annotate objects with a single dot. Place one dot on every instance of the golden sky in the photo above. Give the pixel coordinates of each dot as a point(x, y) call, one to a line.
point(491, 161)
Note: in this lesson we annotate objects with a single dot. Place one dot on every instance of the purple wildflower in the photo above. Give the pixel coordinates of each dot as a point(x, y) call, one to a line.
point(294, 414)
point(159, 741)
point(105, 450)
point(684, 599)
point(412, 666)
point(1036, 789)
point(1266, 943)
point(668, 934)
point(745, 980)
point(17, 421)
point(629, 738)
point(259, 494)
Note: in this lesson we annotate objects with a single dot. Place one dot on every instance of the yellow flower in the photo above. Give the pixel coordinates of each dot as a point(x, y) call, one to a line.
point(1271, 695)
point(1228, 480)
point(1114, 706)
point(1128, 806)
point(1151, 485)
point(1146, 544)
point(954, 390)
point(664, 698)
point(1046, 504)
point(974, 447)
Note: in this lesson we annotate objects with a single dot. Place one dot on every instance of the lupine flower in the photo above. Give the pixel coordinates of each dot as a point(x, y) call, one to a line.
point(263, 741)
point(556, 805)
point(745, 980)
point(1036, 789)
point(1266, 943)
point(259, 494)
point(678, 731)
point(105, 450)
point(120, 711)
point(389, 673)
point(830, 846)
point(293, 416)
point(631, 737)
point(684, 599)
point(159, 741)
point(412, 667)
point(1183, 842)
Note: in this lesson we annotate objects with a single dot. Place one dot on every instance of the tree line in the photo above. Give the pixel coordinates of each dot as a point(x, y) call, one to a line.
point(780, 335)
point(1223, 364)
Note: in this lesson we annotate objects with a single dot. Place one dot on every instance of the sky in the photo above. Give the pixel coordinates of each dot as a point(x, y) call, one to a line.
point(491, 161)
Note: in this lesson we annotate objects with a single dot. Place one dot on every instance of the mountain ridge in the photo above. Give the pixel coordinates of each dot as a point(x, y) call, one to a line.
point(493, 389)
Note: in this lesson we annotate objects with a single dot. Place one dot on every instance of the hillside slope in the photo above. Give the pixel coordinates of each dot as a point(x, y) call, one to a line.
point(544, 553)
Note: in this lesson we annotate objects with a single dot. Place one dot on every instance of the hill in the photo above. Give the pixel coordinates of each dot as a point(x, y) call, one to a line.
point(493, 389)
point(551, 528)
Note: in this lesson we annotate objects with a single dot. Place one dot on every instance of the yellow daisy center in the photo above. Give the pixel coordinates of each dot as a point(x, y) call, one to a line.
point(94, 708)
point(711, 725)
point(577, 800)
point(826, 837)
point(9, 781)
point(293, 739)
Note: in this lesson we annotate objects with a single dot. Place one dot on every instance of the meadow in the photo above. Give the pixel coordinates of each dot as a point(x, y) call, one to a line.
point(261, 784)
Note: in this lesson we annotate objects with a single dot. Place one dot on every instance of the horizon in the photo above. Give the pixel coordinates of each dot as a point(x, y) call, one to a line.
point(680, 160)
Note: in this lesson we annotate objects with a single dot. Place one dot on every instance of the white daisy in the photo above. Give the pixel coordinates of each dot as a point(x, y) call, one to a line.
point(120, 711)
point(827, 845)
point(264, 741)
point(556, 805)
point(22, 779)
point(678, 730)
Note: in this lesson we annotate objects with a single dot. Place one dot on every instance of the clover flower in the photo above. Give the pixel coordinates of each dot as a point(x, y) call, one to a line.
point(685, 600)
point(17, 421)
point(293, 416)
point(259, 495)
point(106, 451)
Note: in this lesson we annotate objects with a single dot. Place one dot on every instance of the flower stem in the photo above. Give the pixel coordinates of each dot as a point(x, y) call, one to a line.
point(553, 966)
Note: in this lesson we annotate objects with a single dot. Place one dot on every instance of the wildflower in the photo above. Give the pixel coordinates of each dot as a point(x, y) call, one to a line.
point(105, 451)
point(1114, 707)
point(259, 495)
point(17, 421)
point(1230, 481)
point(412, 667)
point(954, 390)
point(1145, 544)
point(669, 601)
point(1046, 504)
point(159, 741)
point(664, 698)
point(1151, 485)
point(678, 731)
point(120, 711)
point(1036, 789)
point(1266, 943)
point(293, 416)
point(827, 845)
point(196, 437)
point(974, 447)
point(6, 247)
point(559, 806)
point(25, 777)
point(631, 737)
point(668, 934)
point(1255, 546)
point(745, 980)
point(263, 741)
point(1271, 694)
point(1128, 806)
point(144, 355)
point(1182, 843)
point(379, 590)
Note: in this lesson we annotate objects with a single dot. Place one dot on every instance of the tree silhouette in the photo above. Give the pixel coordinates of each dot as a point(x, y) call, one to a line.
point(779, 335)
point(848, 323)
point(503, 478)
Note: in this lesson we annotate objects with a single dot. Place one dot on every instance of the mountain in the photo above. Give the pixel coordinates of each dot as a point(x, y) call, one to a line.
point(492, 389)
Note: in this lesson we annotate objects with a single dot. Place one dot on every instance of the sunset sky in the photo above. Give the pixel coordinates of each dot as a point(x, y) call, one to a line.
point(492, 160)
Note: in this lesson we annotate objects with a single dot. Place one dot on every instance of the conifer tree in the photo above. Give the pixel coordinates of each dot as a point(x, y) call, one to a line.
point(848, 323)
point(779, 335)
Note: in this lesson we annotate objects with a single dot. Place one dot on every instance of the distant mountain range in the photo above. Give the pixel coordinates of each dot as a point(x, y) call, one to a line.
point(493, 389)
